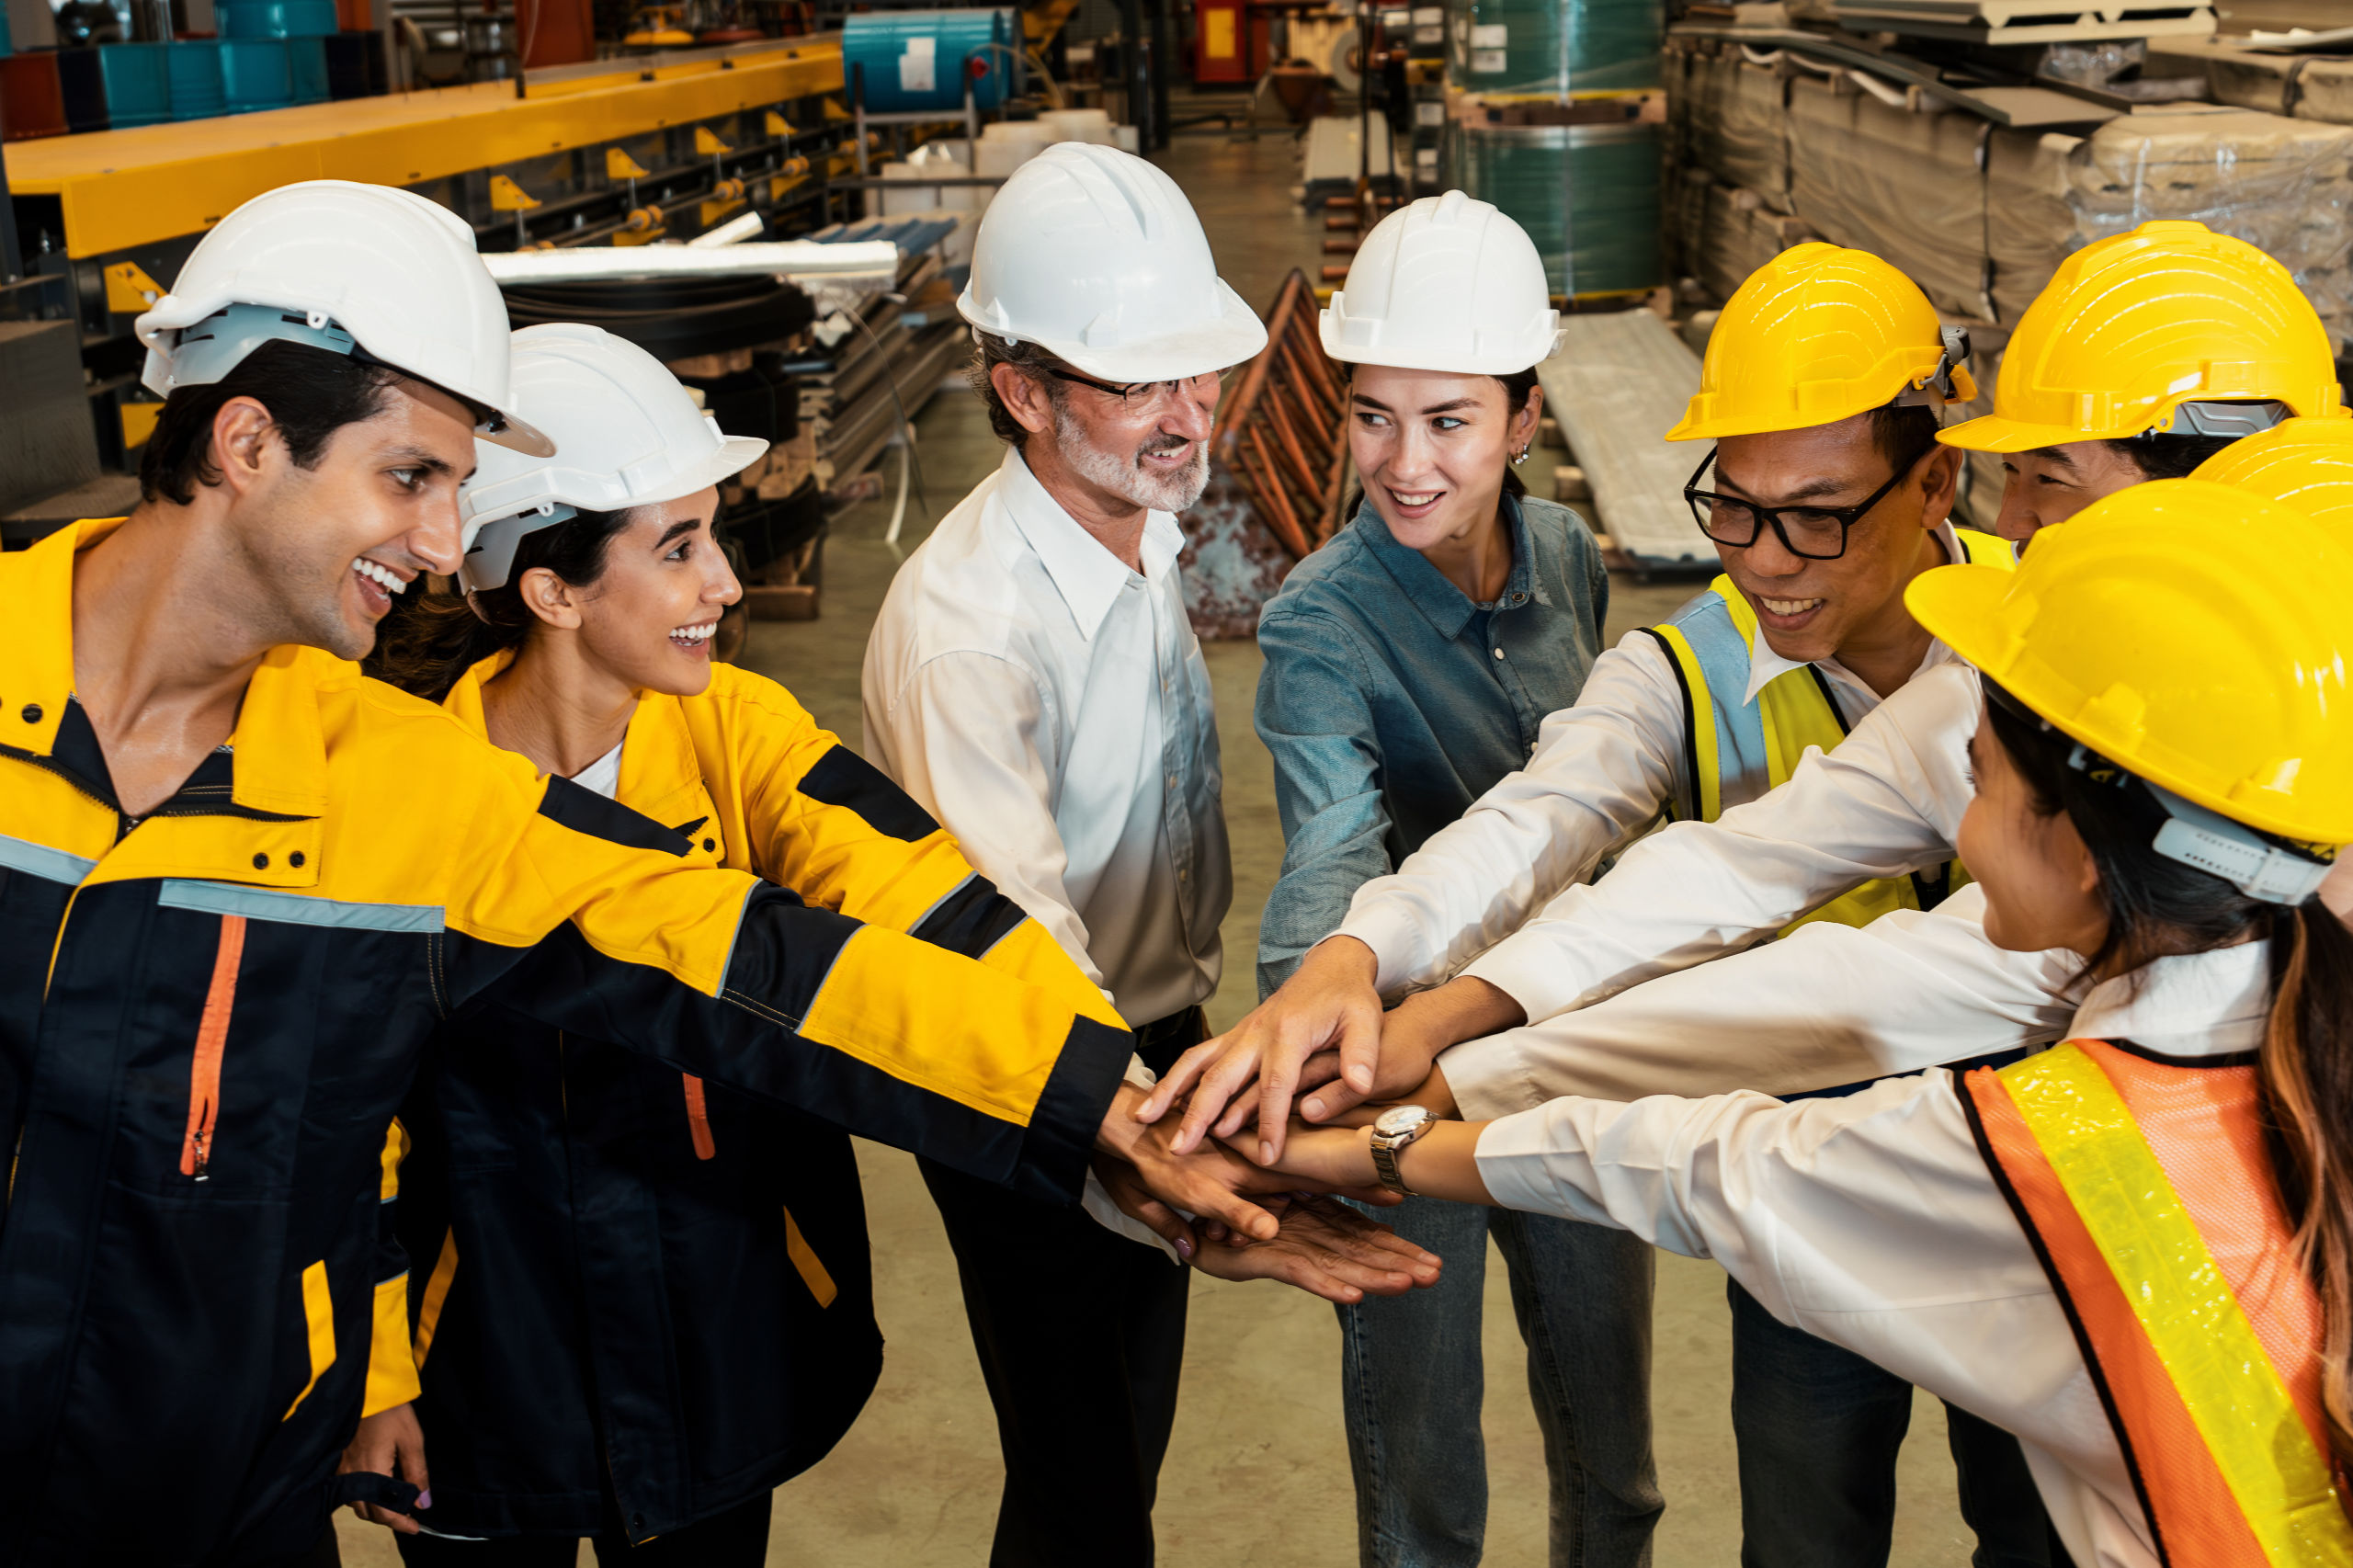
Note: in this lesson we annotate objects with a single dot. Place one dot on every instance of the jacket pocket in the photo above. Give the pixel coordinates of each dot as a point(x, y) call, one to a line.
point(318, 1314)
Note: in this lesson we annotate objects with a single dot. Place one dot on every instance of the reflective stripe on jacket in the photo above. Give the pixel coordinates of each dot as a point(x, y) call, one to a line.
point(1735, 750)
point(2144, 1184)
point(210, 1013)
point(641, 1282)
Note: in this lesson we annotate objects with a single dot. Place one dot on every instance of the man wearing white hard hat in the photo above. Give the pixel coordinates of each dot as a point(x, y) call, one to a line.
point(258, 879)
point(1033, 682)
point(1410, 665)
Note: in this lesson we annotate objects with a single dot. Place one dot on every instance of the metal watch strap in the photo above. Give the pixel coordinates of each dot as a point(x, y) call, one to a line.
point(1384, 1159)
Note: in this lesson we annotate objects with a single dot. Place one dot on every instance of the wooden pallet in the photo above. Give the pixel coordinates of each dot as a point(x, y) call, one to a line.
point(2027, 21)
point(1618, 384)
point(1282, 432)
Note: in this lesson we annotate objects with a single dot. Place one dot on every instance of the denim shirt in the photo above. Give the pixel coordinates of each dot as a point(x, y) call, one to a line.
point(1390, 702)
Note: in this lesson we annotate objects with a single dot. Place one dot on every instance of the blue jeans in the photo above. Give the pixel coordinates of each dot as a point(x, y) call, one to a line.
point(1412, 1383)
point(1818, 1428)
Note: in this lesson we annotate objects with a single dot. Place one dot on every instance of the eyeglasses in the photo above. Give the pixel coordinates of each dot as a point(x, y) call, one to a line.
point(1136, 396)
point(1812, 533)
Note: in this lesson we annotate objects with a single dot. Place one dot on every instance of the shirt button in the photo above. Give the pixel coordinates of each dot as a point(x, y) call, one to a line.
point(1499, 652)
point(261, 862)
point(709, 845)
point(31, 714)
point(295, 859)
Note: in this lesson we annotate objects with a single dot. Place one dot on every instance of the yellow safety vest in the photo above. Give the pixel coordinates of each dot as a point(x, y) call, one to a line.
point(1735, 750)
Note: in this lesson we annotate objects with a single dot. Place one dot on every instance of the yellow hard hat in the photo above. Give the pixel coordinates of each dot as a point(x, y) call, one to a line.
point(2304, 463)
point(2192, 633)
point(2132, 327)
point(1819, 334)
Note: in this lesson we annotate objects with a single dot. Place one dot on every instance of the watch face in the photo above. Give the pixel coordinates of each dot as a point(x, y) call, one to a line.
point(1399, 1120)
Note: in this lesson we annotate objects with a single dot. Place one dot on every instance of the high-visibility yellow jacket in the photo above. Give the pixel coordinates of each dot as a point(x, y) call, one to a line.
point(632, 1282)
point(210, 1013)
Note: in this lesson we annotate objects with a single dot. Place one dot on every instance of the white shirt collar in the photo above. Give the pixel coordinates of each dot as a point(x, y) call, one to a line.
point(1764, 665)
point(1089, 577)
point(2203, 1005)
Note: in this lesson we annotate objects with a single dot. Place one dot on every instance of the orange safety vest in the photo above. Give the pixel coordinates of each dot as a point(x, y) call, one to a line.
point(2143, 1185)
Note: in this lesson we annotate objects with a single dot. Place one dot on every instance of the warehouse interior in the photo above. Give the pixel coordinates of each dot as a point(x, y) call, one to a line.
point(780, 199)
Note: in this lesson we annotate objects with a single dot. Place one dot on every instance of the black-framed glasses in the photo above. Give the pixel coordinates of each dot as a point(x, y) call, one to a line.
point(1140, 394)
point(1812, 533)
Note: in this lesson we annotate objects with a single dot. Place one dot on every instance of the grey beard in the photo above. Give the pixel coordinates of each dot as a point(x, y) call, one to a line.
point(1126, 477)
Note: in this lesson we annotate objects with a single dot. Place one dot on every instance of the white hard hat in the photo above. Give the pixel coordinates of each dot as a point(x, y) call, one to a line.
point(627, 434)
point(1446, 283)
point(341, 266)
point(1096, 256)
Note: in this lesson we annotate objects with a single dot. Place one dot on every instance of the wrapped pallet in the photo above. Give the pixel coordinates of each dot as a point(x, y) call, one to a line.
point(1980, 214)
point(1900, 185)
point(2279, 183)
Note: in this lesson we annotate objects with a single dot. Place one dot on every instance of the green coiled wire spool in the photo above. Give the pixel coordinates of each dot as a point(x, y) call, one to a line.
point(1586, 194)
point(1554, 49)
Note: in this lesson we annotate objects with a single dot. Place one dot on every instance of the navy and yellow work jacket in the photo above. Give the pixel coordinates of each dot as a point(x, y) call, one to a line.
point(636, 1283)
point(210, 1013)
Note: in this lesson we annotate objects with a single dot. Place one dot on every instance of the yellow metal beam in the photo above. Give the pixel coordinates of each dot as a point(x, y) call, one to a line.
point(121, 188)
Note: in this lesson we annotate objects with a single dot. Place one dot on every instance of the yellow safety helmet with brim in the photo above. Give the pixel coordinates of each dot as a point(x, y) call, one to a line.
point(2305, 463)
point(2195, 636)
point(1817, 335)
point(2171, 329)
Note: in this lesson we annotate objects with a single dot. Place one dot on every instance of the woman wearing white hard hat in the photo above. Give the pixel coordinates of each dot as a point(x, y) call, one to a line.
point(1409, 665)
point(641, 1302)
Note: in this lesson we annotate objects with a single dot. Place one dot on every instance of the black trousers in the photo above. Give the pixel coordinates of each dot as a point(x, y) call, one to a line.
point(737, 1538)
point(1081, 1336)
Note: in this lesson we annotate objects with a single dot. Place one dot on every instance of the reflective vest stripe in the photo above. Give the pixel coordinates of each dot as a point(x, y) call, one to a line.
point(2225, 1460)
point(1734, 746)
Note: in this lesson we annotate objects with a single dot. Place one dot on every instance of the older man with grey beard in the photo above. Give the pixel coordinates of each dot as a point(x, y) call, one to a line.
point(1033, 682)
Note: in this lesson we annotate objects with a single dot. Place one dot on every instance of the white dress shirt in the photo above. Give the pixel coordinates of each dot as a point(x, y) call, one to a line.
point(1051, 707)
point(1872, 1222)
point(1833, 1005)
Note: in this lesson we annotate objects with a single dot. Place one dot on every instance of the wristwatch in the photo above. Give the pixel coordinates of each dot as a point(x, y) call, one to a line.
point(1396, 1128)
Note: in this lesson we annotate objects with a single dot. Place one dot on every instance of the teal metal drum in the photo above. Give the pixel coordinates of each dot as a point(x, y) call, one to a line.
point(195, 68)
point(915, 61)
point(1586, 194)
point(255, 75)
point(306, 69)
point(1554, 49)
point(138, 79)
point(275, 19)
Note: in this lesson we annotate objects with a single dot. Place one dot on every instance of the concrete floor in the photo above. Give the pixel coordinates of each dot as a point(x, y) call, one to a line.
point(1257, 1474)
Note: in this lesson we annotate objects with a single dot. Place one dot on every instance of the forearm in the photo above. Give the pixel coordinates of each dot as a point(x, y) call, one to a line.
point(1441, 1163)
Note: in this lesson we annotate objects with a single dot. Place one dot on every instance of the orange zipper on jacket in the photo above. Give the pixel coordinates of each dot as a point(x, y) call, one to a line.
point(698, 1119)
point(211, 1039)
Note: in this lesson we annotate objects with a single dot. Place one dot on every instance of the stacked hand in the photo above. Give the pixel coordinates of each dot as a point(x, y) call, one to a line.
point(1323, 1034)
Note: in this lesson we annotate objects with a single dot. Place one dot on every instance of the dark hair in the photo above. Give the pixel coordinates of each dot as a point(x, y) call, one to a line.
point(2168, 456)
point(991, 352)
point(2157, 905)
point(1905, 434)
point(427, 643)
point(310, 394)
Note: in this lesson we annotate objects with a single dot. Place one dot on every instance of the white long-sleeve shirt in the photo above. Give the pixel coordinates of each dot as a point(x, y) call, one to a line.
point(1051, 707)
point(1601, 773)
point(1887, 802)
point(1872, 1222)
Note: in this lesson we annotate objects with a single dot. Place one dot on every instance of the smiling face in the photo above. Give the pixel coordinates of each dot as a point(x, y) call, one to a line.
point(2042, 888)
point(326, 546)
point(1431, 448)
point(2052, 484)
point(646, 620)
point(1809, 609)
